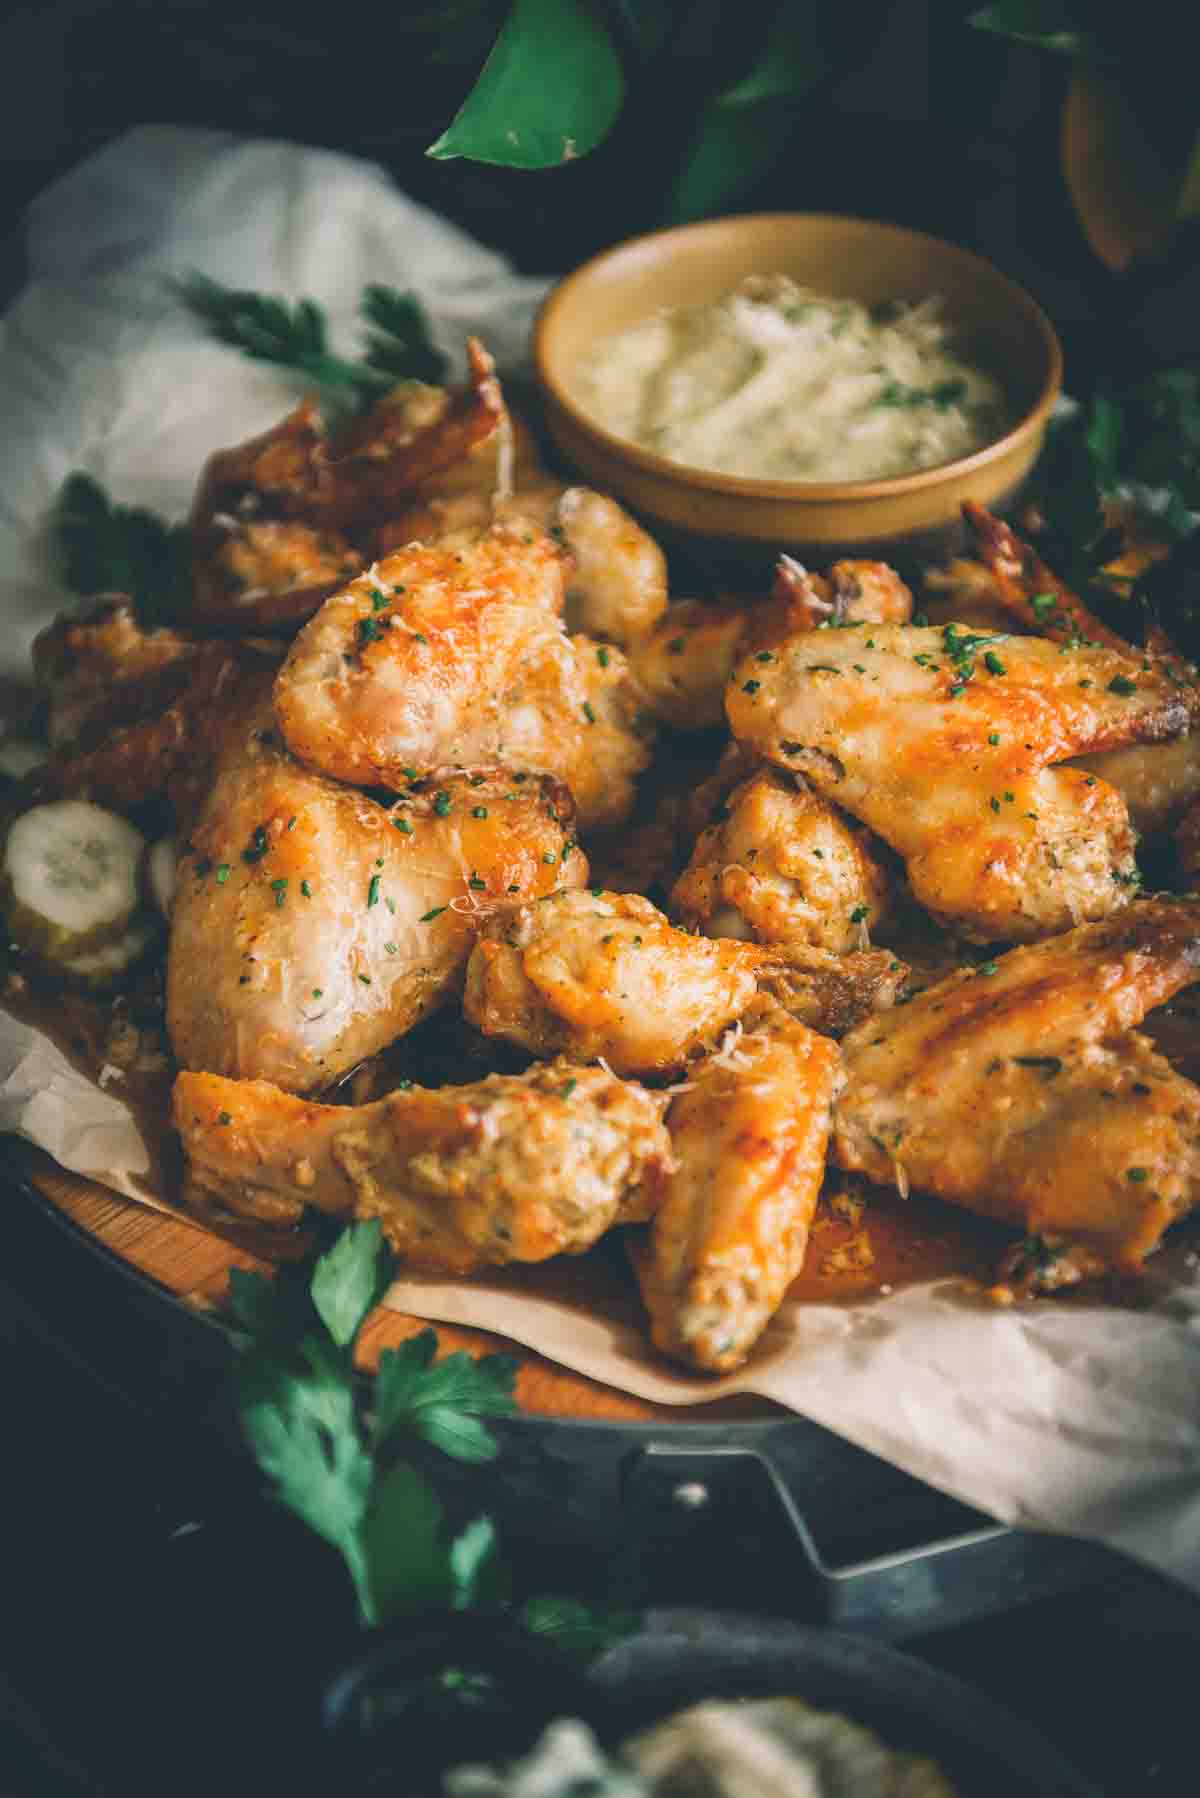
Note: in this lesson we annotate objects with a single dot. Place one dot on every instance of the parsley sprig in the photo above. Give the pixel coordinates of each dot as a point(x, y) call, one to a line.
point(270, 329)
point(107, 548)
point(344, 1460)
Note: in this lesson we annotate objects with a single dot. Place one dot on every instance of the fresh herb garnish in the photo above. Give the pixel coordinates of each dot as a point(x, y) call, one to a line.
point(296, 335)
point(107, 548)
point(336, 1454)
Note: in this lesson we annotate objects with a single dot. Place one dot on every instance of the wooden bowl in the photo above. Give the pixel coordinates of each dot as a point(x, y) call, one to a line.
point(739, 520)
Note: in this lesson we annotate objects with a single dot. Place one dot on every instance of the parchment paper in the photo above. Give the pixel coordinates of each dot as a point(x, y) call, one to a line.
point(1080, 1418)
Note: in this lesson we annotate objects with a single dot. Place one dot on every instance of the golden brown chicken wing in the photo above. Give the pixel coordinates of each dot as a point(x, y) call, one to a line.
point(941, 740)
point(683, 665)
point(783, 865)
point(443, 658)
point(511, 1168)
point(730, 1233)
point(617, 587)
point(102, 668)
point(1020, 1090)
point(313, 925)
point(592, 974)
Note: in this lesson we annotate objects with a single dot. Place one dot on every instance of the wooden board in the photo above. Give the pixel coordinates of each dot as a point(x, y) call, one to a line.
point(194, 1264)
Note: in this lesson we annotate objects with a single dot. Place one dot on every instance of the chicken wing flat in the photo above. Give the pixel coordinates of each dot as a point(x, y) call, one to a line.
point(444, 658)
point(941, 740)
point(730, 1233)
point(592, 974)
point(1021, 1091)
point(313, 925)
point(783, 865)
point(511, 1168)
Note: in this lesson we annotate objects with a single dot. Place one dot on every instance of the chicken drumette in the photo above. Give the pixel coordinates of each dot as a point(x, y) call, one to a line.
point(511, 1168)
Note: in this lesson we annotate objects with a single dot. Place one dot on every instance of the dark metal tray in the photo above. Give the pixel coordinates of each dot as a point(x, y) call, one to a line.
point(777, 1514)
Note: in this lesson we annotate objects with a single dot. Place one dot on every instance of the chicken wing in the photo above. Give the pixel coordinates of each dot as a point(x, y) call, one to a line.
point(783, 865)
point(511, 1168)
point(940, 741)
point(268, 575)
point(730, 1233)
point(299, 470)
point(313, 925)
point(101, 668)
point(456, 658)
point(683, 665)
point(172, 745)
point(1021, 1091)
point(592, 974)
point(617, 588)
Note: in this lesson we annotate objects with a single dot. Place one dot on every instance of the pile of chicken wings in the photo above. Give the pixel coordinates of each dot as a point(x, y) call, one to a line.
point(409, 738)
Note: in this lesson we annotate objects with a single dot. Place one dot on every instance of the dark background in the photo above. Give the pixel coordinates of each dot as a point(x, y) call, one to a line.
point(928, 122)
point(117, 1652)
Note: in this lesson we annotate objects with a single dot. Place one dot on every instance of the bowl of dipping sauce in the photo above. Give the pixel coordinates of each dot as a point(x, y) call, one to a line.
point(797, 381)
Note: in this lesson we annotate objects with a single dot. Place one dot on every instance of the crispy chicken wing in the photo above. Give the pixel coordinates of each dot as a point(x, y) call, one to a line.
point(1157, 781)
point(511, 1168)
point(855, 592)
point(313, 925)
point(355, 478)
point(730, 1234)
point(940, 741)
point(617, 588)
point(683, 665)
point(783, 865)
point(1020, 1090)
point(592, 974)
point(171, 747)
point(441, 658)
point(268, 574)
point(101, 668)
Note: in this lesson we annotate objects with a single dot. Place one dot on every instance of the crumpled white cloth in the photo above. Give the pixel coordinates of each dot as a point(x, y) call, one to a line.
point(1079, 1418)
point(102, 369)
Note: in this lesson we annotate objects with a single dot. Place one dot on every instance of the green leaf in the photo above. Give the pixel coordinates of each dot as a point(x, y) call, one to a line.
point(323, 1475)
point(581, 1631)
point(799, 52)
point(350, 1278)
point(269, 329)
point(439, 1402)
point(106, 548)
point(481, 1577)
point(551, 89)
point(730, 148)
point(1056, 25)
point(1163, 434)
point(400, 345)
point(407, 1561)
point(1102, 437)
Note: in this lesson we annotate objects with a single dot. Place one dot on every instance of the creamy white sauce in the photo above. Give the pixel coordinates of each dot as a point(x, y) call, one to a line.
point(781, 383)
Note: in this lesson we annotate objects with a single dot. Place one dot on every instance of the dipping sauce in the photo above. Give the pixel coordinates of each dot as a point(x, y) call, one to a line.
point(777, 382)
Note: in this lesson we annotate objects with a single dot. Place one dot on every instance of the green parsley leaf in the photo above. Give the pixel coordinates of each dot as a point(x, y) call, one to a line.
point(442, 1401)
point(107, 548)
point(350, 1278)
